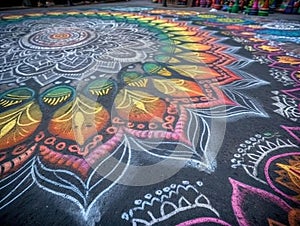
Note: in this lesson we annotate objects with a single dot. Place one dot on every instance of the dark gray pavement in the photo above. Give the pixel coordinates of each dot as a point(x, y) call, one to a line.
point(130, 113)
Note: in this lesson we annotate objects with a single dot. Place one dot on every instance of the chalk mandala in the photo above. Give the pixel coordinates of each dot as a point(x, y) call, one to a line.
point(70, 48)
point(86, 95)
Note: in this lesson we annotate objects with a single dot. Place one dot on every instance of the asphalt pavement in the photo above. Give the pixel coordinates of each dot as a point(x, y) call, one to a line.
point(131, 113)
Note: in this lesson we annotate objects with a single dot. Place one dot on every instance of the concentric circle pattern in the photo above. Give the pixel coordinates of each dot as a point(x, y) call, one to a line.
point(58, 38)
point(50, 48)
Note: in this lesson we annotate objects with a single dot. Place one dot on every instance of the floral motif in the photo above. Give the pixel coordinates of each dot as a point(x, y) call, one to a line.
point(287, 174)
point(73, 48)
point(119, 86)
point(243, 193)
